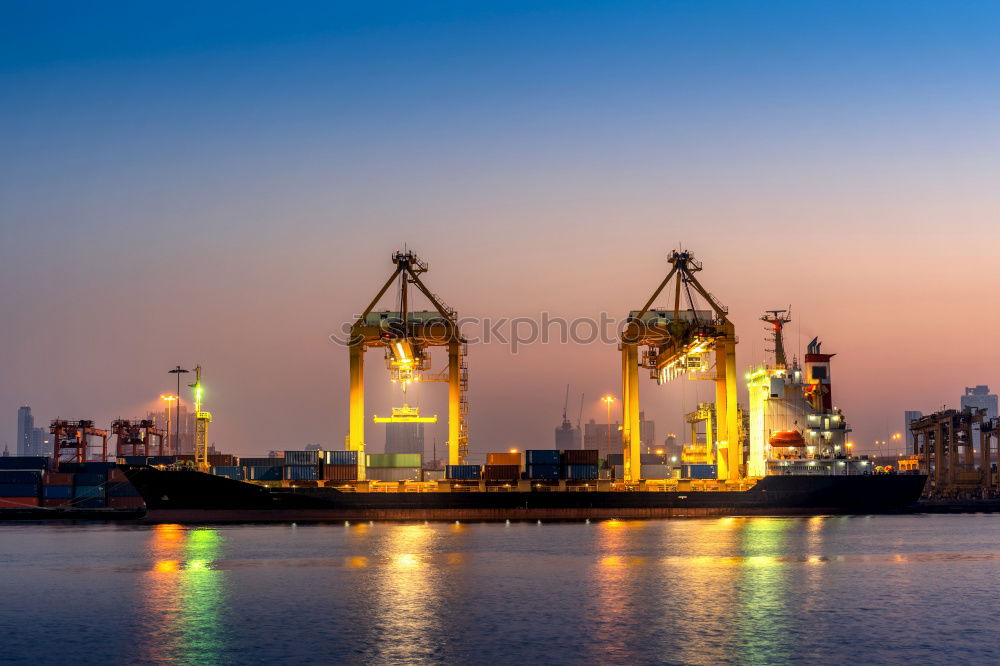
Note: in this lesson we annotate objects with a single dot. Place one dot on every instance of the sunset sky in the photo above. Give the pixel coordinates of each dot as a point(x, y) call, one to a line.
point(224, 184)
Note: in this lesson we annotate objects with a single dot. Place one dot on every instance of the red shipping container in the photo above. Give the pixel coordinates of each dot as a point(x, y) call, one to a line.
point(59, 479)
point(125, 503)
point(51, 503)
point(17, 502)
point(340, 472)
point(116, 476)
point(580, 457)
point(501, 472)
point(221, 460)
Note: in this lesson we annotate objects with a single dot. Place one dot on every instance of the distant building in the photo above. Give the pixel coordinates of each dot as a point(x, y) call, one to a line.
point(39, 443)
point(568, 437)
point(672, 448)
point(909, 416)
point(25, 426)
point(313, 447)
point(980, 397)
point(595, 436)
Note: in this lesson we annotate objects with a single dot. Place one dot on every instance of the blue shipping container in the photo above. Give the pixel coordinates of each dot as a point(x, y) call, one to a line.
point(85, 479)
point(699, 471)
point(88, 491)
point(260, 473)
point(57, 492)
point(124, 489)
point(301, 458)
point(542, 472)
point(19, 476)
point(579, 472)
point(301, 472)
point(541, 457)
point(463, 472)
point(24, 462)
point(340, 457)
point(229, 472)
point(19, 490)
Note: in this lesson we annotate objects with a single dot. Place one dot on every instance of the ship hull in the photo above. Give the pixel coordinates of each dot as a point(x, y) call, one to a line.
point(186, 496)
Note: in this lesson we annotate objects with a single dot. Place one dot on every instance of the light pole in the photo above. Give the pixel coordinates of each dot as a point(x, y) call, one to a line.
point(177, 412)
point(167, 398)
point(608, 399)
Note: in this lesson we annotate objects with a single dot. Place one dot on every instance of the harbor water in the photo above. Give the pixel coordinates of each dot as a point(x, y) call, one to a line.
point(820, 590)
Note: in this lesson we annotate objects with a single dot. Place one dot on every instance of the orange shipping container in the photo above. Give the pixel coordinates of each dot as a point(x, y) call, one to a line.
point(59, 479)
point(17, 502)
point(503, 458)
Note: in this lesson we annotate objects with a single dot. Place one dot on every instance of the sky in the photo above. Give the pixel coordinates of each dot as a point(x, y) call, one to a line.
point(223, 184)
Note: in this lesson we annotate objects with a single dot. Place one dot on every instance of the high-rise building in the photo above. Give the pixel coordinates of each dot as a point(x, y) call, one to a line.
point(980, 397)
point(909, 416)
point(25, 424)
point(39, 443)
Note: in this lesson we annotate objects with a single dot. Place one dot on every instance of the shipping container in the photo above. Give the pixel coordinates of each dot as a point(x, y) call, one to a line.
point(300, 458)
point(699, 471)
point(19, 476)
point(542, 457)
point(644, 459)
point(122, 490)
point(463, 472)
point(657, 472)
point(92, 467)
point(17, 502)
point(579, 472)
point(301, 472)
point(393, 473)
point(117, 476)
point(55, 502)
point(125, 503)
point(58, 479)
point(501, 472)
point(432, 474)
point(89, 503)
point(135, 460)
point(263, 473)
point(24, 462)
point(262, 462)
point(230, 472)
point(394, 460)
point(221, 460)
point(87, 479)
point(542, 472)
point(57, 492)
point(580, 457)
point(88, 491)
point(340, 472)
point(340, 457)
point(20, 490)
point(503, 459)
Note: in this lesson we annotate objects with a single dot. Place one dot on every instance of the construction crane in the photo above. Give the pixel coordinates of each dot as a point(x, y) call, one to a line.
point(201, 421)
point(74, 437)
point(135, 438)
point(407, 336)
point(681, 340)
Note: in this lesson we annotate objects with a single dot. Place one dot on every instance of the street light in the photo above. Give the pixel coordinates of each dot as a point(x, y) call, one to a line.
point(168, 398)
point(177, 413)
point(608, 399)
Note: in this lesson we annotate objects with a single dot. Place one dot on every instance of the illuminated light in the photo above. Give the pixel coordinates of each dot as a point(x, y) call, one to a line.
point(513, 450)
point(814, 559)
point(612, 561)
point(407, 561)
point(357, 562)
point(197, 565)
point(167, 566)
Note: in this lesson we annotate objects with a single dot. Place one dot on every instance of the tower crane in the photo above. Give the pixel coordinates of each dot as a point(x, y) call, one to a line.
point(407, 336)
point(677, 341)
point(201, 421)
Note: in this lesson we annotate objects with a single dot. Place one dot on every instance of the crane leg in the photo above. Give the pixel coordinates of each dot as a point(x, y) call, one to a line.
point(454, 402)
point(631, 435)
point(356, 438)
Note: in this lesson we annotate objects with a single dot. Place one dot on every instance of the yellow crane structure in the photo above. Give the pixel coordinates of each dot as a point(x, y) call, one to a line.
point(201, 421)
point(407, 336)
point(678, 341)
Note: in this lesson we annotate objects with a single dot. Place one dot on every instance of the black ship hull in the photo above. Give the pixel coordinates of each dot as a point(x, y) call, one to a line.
point(187, 496)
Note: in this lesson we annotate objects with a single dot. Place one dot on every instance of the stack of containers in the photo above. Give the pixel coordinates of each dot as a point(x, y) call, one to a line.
point(542, 464)
point(121, 494)
point(262, 469)
point(20, 488)
point(301, 466)
point(393, 466)
point(502, 467)
point(57, 490)
point(699, 471)
point(221, 459)
point(579, 464)
point(229, 471)
point(463, 472)
point(340, 466)
point(88, 490)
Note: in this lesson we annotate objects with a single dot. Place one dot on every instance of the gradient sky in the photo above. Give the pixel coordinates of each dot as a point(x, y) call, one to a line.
point(223, 184)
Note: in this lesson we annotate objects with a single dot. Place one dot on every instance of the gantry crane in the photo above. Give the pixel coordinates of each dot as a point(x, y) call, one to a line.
point(406, 337)
point(135, 438)
point(679, 341)
point(201, 421)
point(75, 436)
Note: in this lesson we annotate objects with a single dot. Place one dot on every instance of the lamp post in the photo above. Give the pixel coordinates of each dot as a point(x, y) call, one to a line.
point(608, 399)
point(168, 398)
point(177, 412)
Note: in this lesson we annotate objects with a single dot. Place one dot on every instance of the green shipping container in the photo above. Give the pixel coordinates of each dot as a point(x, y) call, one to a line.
point(394, 460)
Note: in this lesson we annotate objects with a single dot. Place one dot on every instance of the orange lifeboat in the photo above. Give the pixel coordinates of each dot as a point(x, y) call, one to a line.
point(787, 438)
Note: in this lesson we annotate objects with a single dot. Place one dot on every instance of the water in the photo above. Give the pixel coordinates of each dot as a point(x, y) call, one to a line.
point(885, 589)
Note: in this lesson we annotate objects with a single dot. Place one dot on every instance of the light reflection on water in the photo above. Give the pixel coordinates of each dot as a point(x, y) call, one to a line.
point(713, 591)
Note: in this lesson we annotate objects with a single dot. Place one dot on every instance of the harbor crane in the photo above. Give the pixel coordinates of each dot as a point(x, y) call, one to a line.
point(73, 438)
point(676, 341)
point(135, 438)
point(406, 337)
